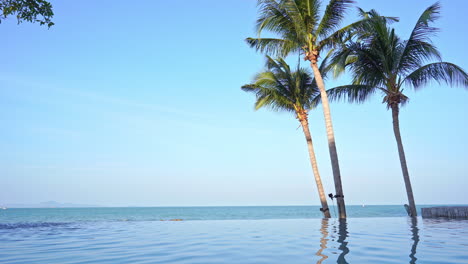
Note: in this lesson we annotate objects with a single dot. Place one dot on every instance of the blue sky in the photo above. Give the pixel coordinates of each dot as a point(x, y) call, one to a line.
point(140, 104)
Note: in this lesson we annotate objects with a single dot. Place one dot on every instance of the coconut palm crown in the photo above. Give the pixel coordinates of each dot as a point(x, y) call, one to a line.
point(299, 27)
point(380, 61)
point(281, 89)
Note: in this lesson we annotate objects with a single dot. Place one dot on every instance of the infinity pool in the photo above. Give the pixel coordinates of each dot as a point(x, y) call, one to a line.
point(357, 240)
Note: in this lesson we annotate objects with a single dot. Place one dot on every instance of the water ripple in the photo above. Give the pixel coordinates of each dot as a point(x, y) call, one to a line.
point(31, 225)
point(356, 240)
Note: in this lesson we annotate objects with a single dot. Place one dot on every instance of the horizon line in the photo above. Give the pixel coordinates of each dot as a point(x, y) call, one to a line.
point(182, 206)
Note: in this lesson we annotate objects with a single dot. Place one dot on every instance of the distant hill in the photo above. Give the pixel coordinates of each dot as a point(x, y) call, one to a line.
point(49, 204)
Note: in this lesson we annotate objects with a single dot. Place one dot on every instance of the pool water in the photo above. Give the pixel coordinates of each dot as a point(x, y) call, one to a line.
point(314, 240)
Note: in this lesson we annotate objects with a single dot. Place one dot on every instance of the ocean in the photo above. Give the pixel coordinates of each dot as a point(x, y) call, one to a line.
point(258, 234)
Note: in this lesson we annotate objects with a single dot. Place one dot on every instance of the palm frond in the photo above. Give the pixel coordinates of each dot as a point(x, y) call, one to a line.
point(283, 18)
point(332, 17)
point(310, 10)
point(358, 29)
point(446, 72)
point(272, 17)
point(351, 93)
point(298, 18)
point(369, 66)
point(374, 14)
point(419, 48)
point(281, 89)
point(339, 60)
point(273, 46)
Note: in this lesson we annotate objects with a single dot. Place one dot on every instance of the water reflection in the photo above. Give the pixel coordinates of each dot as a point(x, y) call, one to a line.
point(415, 238)
point(343, 245)
point(339, 230)
point(323, 240)
point(342, 234)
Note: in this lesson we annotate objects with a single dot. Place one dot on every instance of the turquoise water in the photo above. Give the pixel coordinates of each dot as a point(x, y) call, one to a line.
point(218, 235)
point(188, 213)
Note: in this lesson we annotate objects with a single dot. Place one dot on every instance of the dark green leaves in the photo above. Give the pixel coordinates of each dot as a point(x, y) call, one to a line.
point(351, 93)
point(297, 25)
point(446, 72)
point(275, 47)
point(334, 14)
point(379, 60)
point(419, 46)
point(28, 10)
point(281, 89)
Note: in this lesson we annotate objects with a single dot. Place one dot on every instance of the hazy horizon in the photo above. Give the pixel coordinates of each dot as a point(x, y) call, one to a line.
point(54, 204)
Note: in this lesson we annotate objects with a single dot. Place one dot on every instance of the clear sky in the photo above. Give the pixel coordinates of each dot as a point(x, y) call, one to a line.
point(140, 104)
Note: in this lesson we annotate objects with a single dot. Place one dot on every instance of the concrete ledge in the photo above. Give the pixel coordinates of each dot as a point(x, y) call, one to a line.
point(445, 211)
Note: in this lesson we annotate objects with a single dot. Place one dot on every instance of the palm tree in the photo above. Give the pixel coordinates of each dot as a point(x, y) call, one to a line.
point(301, 29)
point(283, 90)
point(382, 62)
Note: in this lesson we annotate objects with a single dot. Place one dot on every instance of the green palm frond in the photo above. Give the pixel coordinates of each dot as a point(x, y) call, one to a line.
point(332, 17)
point(446, 72)
point(419, 48)
point(298, 19)
point(371, 56)
point(272, 17)
point(280, 18)
point(311, 11)
point(297, 26)
point(275, 47)
point(378, 58)
point(280, 89)
point(338, 61)
point(368, 67)
point(358, 29)
point(351, 93)
point(373, 14)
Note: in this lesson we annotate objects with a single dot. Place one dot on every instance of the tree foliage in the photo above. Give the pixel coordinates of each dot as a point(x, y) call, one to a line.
point(39, 11)
point(281, 89)
point(380, 61)
point(298, 25)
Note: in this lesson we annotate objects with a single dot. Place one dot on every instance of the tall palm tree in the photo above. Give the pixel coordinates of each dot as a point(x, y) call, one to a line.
point(281, 89)
point(382, 62)
point(299, 28)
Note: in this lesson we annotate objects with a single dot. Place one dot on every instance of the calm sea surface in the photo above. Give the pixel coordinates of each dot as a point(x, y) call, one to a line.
point(283, 234)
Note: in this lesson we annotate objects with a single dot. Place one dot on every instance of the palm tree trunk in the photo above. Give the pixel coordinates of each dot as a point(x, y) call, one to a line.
point(404, 167)
point(331, 142)
point(313, 162)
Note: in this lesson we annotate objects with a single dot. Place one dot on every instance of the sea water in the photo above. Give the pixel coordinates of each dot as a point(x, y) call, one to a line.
point(27, 215)
point(283, 234)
